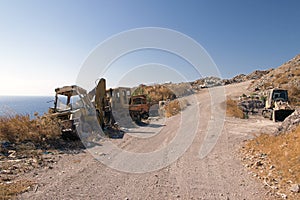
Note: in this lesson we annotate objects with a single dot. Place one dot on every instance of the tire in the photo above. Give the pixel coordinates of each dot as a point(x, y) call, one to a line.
point(138, 118)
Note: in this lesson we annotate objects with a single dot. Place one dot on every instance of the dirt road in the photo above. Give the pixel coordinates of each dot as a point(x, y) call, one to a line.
point(219, 175)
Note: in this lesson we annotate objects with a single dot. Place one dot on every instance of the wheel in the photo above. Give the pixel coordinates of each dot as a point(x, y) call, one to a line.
point(138, 118)
point(263, 113)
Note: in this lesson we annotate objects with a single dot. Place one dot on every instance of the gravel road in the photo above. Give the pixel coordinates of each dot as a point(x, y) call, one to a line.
point(218, 175)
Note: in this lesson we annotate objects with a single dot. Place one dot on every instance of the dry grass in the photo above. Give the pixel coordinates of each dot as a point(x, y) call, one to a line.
point(283, 153)
point(9, 190)
point(26, 137)
point(282, 80)
point(232, 109)
point(294, 95)
point(155, 93)
point(20, 128)
point(297, 72)
point(174, 107)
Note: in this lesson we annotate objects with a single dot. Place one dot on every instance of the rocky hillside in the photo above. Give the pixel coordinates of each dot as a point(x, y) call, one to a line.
point(257, 74)
point(286, 76)
point(215, 81)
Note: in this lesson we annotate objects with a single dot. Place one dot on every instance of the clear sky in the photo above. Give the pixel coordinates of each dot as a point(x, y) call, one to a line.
point(43, 43)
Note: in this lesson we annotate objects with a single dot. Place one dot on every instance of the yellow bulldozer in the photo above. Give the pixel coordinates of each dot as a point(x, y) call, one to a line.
point(277, 106)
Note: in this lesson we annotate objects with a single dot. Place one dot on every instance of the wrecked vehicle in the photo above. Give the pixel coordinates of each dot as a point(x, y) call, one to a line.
point(66, 104)
point(73, 105)
point(139, 108)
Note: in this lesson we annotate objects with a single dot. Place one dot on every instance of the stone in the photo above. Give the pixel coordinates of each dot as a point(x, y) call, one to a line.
point(295, 188)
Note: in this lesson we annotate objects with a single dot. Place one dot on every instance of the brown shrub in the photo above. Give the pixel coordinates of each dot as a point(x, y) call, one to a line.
point(232, 109)
point(294, 96)
point(174, 107)
point(282, 80)
point(11, 189)
point(267, 85)
point(20, 128)
point(297, 72)
point(155, 93)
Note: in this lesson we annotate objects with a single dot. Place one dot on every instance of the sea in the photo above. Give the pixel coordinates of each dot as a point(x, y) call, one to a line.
point(25, 105)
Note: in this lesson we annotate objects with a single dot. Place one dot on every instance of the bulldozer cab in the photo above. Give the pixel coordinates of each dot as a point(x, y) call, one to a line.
point(280, 95)
point(68, 98)
point(276, 95)
point(277, 107)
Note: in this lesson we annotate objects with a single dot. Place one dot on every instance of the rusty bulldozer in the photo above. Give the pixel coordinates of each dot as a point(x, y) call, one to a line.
point(277, 107)
point(73, 105)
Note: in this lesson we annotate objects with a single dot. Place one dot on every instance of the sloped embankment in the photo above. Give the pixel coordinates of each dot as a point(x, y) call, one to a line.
point(275, 158)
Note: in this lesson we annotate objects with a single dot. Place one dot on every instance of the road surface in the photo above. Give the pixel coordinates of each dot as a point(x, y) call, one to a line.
point(218, 175)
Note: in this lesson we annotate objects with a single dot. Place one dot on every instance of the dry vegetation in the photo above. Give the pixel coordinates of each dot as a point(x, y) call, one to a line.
point(23, 141)
point(20, 128)
point(276, 160)
point(155, 93)
point(232, 109)
point(287, 76)
point(11, 189)
point(174, 107)
point(294, 95)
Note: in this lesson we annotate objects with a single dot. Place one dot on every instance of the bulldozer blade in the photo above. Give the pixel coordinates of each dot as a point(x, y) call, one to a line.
point(280, 115)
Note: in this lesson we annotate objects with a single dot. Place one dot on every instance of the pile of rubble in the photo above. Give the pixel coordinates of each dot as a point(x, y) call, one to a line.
point(290, 123)
point(21, 158)
point(206, 82)
point(251, 105)
point(263, 168)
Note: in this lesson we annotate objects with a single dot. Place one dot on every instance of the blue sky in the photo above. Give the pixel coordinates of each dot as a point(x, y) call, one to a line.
point(43, 44)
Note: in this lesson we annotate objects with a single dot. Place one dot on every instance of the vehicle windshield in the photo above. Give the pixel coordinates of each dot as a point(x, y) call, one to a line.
point(280, 94)
point(139, 101)
point(62, 102)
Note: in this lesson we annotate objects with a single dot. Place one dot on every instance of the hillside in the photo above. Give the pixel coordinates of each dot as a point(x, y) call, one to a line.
point(286, 76)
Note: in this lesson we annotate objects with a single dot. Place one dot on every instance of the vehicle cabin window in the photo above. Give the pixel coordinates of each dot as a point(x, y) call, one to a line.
point(124, 96)
point(139, 101)
point(62, 102)
point(281, 95)
point(118, 97)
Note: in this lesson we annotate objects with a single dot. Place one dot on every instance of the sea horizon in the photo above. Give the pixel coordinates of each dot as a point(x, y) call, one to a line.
point(11, 105)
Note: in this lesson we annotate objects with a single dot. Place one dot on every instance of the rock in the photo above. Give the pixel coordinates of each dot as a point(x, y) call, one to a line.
point(284, 196)
point(295, 188)
point(290, 123)
point(258, 163)
point(12, 154)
